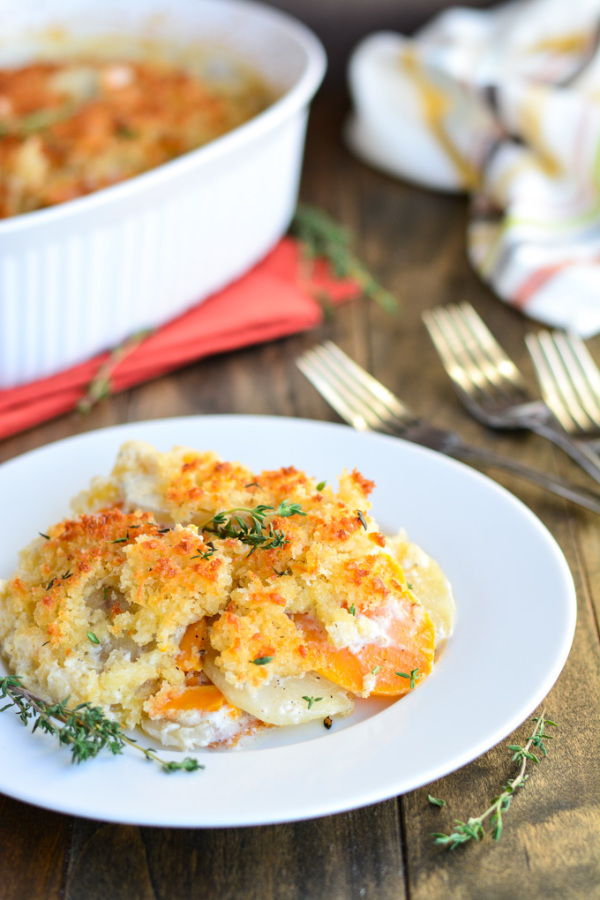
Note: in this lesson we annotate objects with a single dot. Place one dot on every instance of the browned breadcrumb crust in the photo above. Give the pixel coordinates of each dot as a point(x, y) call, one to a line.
point(99, 607)
point(72, 127)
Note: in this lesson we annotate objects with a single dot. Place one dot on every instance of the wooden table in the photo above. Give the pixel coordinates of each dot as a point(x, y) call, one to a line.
point(413, 241)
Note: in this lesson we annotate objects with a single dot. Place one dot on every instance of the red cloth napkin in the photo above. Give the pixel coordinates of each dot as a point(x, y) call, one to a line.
point(276, 298)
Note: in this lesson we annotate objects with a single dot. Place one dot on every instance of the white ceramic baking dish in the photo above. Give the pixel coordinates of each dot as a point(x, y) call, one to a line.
point(82, 276)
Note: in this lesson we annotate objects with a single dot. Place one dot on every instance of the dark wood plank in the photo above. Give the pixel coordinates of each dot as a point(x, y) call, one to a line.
point(33, 848)
point(107, 862)
point(324, 858)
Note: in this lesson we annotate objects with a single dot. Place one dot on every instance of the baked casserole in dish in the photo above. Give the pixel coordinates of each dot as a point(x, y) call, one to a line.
point(163, 162)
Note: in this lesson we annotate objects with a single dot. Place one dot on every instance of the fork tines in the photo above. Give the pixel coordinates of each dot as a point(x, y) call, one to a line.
point(357, 397)
point(569, 379)
point(472, 357)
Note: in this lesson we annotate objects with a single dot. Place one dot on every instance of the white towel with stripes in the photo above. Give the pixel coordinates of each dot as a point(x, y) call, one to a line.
point(503, 104)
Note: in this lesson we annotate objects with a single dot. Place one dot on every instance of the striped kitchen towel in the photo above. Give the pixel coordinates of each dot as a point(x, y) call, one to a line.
point(504, 104)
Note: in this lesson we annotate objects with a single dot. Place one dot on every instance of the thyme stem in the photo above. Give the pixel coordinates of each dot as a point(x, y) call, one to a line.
point(473, 829)
point(322, 236)
point(84, 729)
point(101, 385)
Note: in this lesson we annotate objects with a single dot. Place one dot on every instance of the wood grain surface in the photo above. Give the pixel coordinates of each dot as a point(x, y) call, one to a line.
point(413, 240)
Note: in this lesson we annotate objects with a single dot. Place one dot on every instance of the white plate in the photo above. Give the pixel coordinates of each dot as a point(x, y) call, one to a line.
point(510, 581)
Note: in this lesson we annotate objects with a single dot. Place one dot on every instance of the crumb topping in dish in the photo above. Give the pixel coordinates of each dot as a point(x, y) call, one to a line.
point(70, 128)
point(202, 601)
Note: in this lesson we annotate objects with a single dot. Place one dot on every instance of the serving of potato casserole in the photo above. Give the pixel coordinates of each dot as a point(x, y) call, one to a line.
point(202, 601)
point(70, 128)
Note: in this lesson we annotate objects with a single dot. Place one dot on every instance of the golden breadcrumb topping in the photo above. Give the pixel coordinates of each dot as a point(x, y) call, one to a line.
point(179, 559)
point(72, 127)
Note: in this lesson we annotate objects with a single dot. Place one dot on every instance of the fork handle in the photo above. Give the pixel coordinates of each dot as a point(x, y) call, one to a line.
point(581, 496)
point(577, 450)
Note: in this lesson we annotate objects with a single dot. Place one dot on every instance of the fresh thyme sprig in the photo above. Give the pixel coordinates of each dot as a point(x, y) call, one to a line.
point(473, 830)
point(257, 532)
point(84, 729)
point(321, 236)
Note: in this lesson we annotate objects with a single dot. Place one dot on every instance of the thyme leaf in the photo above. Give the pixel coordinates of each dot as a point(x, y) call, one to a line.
point(413, 676)
point(206, 554)
point(126, 131)
point(84, 729)
point(472, 829)
point(311, 700)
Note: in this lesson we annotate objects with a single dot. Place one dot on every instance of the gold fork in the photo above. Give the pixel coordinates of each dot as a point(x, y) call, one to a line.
point(491, 386)
point(569, 380)
point(367, 405)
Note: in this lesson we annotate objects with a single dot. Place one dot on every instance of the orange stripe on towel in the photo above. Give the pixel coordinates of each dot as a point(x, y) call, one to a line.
point(535, 281)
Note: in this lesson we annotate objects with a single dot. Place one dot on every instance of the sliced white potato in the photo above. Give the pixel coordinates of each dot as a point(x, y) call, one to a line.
point(429, 584)
point(140, 492)
point(285, 701)
point(199, 729)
